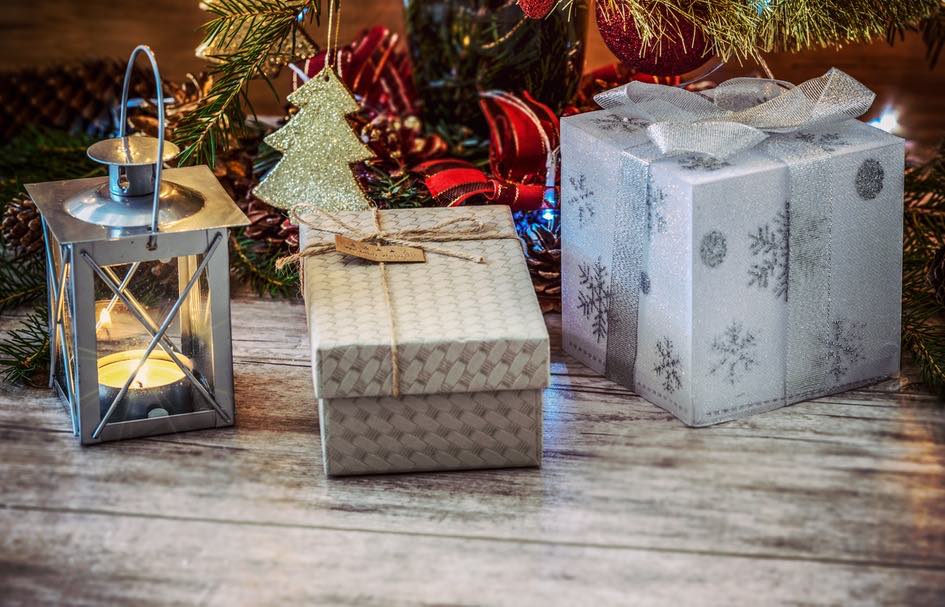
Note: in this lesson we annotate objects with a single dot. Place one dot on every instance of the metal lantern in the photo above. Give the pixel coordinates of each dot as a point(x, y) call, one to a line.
point(138, 280)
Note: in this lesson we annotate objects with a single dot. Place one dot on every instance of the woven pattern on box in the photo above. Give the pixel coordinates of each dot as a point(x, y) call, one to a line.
point(431, 432)
point(461, 326)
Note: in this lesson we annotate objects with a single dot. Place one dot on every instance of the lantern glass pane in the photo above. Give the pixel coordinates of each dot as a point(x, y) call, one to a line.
point(159, 386)
point(61, 311)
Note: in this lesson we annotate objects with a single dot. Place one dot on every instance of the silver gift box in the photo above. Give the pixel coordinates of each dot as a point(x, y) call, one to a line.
point(719, 289)
point(472, 348)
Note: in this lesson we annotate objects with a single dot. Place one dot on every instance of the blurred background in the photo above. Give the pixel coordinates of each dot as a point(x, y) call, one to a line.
point(43, 32)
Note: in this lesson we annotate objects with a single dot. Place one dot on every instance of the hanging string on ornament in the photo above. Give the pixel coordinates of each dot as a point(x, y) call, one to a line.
point(679, 52)
point(318, 144)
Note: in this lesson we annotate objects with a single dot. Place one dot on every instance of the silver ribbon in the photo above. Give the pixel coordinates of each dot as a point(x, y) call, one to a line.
point(739, 114)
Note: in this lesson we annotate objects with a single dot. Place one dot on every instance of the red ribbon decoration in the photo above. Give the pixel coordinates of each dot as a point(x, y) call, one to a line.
point(374, 69)
point(522, 157)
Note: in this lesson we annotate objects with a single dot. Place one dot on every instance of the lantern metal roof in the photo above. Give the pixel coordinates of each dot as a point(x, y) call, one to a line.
point(182, 191)
point(139, 195)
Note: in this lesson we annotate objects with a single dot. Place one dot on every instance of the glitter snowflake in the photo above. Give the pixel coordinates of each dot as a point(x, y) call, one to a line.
point(656, 212)
point(594, 297)
point(645, 283)
point(869, 179)
point(843, 347)
point(770, 246)
point(828, 142)
point(667, 365)
point(696, 162)
point(733, 353)
point(713, 248)
point(613, 122)
point(582, 197)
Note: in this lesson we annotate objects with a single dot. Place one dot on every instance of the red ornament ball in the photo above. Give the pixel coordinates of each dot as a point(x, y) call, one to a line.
point(536, 9)
point(680, 52)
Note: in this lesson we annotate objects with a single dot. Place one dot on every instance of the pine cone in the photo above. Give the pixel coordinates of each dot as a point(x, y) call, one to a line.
point(234, 170)
point(543, 254)
point(270, 228)
point(165, 273)
point(935, 274)
point(74, 97)
point(186, 96)
point(22, 228)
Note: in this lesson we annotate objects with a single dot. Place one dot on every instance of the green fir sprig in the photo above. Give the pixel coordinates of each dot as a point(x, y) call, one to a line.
point(268, 25)
point(745, 30)
point(24, 351)
point(923, 325)
point(258, 268)
point(22, 282)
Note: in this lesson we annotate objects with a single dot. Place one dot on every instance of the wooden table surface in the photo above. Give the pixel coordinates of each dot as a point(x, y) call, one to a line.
point(837, 501)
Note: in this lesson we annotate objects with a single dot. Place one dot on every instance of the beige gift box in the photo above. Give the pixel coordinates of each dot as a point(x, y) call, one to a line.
point(472, 348)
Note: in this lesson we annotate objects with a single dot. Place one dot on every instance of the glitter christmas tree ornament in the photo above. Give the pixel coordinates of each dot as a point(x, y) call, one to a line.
point(318, 149)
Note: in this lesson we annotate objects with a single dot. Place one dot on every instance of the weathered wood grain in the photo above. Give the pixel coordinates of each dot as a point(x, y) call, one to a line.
point(184, 561)
point(833, 501)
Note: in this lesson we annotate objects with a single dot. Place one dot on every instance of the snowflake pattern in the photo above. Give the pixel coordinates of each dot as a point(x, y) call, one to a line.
point(668, 365)
point(713, 249)
point(869, 179)
point(770, 247)
point(582, 197)
point(828, 142)
point(733, 353)
point(594, 297)
point(697, 162)
point(656, 212)
point(645, 283)
point(613, 122)
point(843, 347)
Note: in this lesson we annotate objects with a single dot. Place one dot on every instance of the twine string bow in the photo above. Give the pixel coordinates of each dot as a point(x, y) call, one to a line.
point(738, 114)
point(455, 229)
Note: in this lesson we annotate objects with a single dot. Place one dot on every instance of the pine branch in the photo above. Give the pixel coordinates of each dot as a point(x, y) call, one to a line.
point(22, 282)
point(923, 325)
point(268, 24)
point(24, 352)
point(41, 154)
point(258, 269)
point(742, 30)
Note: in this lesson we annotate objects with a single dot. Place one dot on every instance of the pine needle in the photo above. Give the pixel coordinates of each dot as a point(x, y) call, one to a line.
point(923, 325)
point(267, 24)
point(742, 29)
point(24, 351)
point(258, 269)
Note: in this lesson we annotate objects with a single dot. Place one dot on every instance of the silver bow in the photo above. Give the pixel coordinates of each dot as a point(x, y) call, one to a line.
point(738, 114)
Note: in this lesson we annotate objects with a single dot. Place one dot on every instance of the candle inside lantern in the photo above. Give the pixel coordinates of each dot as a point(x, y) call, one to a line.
point(159, 388)
point(154, 374)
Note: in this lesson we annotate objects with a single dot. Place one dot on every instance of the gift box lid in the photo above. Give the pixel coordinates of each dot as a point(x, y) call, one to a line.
point(629, 136)
point(458, 325)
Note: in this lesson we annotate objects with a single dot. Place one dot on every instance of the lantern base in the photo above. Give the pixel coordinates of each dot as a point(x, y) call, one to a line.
point(129, 213)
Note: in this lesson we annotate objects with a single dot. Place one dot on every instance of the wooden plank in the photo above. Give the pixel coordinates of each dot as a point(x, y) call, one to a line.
point(847, 488)
point(191, 560)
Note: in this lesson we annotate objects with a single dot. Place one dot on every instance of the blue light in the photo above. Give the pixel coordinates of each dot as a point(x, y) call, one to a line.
point(548, 215)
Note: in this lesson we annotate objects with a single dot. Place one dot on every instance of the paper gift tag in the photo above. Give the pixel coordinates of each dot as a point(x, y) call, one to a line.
point(373, 252)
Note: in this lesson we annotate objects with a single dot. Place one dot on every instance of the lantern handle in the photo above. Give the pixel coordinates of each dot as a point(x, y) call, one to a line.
point(123, 126)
